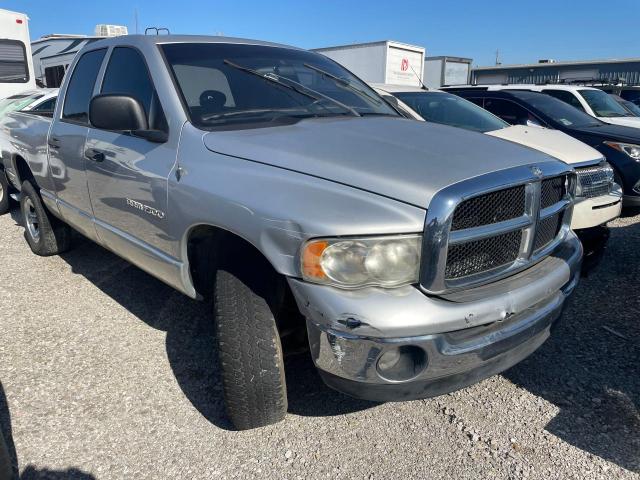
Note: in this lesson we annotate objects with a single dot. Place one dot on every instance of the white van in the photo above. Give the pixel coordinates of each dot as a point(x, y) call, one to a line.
point(16, 65)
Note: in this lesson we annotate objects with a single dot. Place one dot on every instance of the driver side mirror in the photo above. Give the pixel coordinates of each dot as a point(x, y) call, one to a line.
point(122, 113)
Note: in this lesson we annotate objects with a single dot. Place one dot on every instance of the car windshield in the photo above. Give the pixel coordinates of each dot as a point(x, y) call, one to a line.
point(230, 84)
point(16, 102)
point(557, 110)
point(632, 107)
point(448, 109)
point(603, 105)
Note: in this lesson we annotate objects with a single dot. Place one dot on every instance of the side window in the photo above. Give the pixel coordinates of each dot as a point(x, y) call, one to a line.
point(80, 89)
point(510, 112)
point(477, 101)
point(566, 97)
point(53, 76)
point(48, 106)
point(13, 62)
point(127, 74)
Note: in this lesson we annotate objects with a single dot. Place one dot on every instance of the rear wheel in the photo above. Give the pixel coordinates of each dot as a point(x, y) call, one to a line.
point(249, 349)
point(45, 234)
point(4, 193)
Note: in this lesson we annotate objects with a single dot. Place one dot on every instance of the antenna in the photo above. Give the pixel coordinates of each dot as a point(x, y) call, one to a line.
point(135, 17)
point(424, 87)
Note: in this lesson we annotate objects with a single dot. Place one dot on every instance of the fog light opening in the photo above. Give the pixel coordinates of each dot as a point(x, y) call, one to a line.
point(403, 363)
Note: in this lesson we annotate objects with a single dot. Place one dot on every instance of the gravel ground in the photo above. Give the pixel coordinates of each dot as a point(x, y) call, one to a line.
point(107, 373)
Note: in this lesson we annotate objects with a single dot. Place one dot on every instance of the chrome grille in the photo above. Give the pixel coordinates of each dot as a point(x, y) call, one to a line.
point(494, 225)
point(475, 257)
point(491, 208)
point(553, 190)
point(595, 181)
point(547, 230)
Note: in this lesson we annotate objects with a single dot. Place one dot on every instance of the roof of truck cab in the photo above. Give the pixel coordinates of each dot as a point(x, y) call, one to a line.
point(164, 39)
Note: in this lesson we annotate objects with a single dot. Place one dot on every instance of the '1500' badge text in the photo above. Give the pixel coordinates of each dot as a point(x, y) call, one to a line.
point(145, 208)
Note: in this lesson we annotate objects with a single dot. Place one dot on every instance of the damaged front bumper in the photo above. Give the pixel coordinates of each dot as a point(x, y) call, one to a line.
point(401, 344)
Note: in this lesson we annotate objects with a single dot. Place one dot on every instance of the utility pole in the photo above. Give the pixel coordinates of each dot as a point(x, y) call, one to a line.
point(135, 16)
point(498, 57)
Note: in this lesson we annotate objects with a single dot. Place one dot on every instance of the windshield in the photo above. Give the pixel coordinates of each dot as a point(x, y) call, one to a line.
point(448, 109)
point(632, 107)
point(603, 105)
point(16, 102)
point(557, 110)
point(230, 84)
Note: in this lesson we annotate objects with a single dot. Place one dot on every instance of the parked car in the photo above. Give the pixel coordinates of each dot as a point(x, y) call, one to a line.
point(599, 198)
point(632, 107)
point(589, 100)
point(418, 258)
point(39, 102)
point(620, 145)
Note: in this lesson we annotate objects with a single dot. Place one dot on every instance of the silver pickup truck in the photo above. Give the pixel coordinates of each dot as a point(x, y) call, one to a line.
point(418, 258)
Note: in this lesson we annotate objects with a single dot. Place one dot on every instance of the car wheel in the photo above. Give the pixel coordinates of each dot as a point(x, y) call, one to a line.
point(250, 351)
point(45, 234)
point(4, 194)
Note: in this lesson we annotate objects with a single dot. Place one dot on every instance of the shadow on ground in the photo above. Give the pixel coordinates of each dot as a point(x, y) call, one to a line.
point(190, 339)
point(9, 458)
point(590, 367)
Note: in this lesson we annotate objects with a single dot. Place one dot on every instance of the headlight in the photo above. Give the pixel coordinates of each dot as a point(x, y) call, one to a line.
point(630, 149)
point(358, 262)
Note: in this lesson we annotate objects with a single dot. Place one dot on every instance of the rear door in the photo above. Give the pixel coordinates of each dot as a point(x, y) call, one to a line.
point(127, 174)
point(66, 143)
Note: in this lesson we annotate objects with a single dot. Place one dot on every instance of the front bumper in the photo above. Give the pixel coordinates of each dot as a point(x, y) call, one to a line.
point(592, 212)
point(467, 336)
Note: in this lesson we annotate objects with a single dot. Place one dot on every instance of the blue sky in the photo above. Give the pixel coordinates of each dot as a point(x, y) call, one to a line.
point(522, 31)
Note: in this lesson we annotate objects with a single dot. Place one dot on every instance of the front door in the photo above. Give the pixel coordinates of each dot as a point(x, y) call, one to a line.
point(127, 175)
point(67, 141)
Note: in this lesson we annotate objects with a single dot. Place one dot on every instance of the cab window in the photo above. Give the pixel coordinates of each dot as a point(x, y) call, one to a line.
point(80, 88)
point(127, 74)
point(511, 112)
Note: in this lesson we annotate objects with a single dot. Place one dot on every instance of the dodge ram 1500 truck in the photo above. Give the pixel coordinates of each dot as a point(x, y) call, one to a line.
point(418, 258)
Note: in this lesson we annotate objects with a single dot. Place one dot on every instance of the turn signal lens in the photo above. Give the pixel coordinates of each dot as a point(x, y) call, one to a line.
point(354, 263)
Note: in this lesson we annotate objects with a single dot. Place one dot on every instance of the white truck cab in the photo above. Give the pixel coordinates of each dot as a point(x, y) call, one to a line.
point(590, 100)
point(16, 65)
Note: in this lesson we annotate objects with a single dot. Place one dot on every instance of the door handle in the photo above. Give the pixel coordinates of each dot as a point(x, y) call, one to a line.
point(95, 155)
point(54, 143)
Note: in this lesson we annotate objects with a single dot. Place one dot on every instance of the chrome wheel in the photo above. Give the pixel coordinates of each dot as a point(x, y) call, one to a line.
point(2, 192)
point(31, 220)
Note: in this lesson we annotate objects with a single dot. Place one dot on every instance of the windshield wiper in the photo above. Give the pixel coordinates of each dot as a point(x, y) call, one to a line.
point(292, 85)
point(344, 83)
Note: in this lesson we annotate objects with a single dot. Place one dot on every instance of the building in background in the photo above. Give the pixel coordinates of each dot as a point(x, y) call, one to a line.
point(386, 61)
point(441, 71)
point(549, 71)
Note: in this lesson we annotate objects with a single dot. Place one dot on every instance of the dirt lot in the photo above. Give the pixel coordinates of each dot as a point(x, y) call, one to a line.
point(107, 373)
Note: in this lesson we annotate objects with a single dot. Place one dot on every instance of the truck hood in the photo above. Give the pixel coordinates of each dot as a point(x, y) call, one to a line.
point(551, 142)
point(402, 159)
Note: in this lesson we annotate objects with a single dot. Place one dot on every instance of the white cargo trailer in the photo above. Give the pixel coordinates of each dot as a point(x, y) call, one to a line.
point(441, 71)
point(16, 66)
point(380, 62)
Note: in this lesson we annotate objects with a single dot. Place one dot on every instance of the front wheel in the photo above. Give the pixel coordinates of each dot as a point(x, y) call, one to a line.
point(45, 234)
point(4, 194)
point(250, 352)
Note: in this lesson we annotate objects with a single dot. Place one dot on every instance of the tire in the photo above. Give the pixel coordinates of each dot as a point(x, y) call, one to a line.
point(45, 234)
point(4, 194)
point(250, 352)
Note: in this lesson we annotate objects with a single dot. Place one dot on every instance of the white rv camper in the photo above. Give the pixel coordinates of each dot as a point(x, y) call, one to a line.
point(16, 65)
point(52, 55)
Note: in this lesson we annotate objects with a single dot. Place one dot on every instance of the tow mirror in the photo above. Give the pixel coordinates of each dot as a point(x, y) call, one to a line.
point(119, 113)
